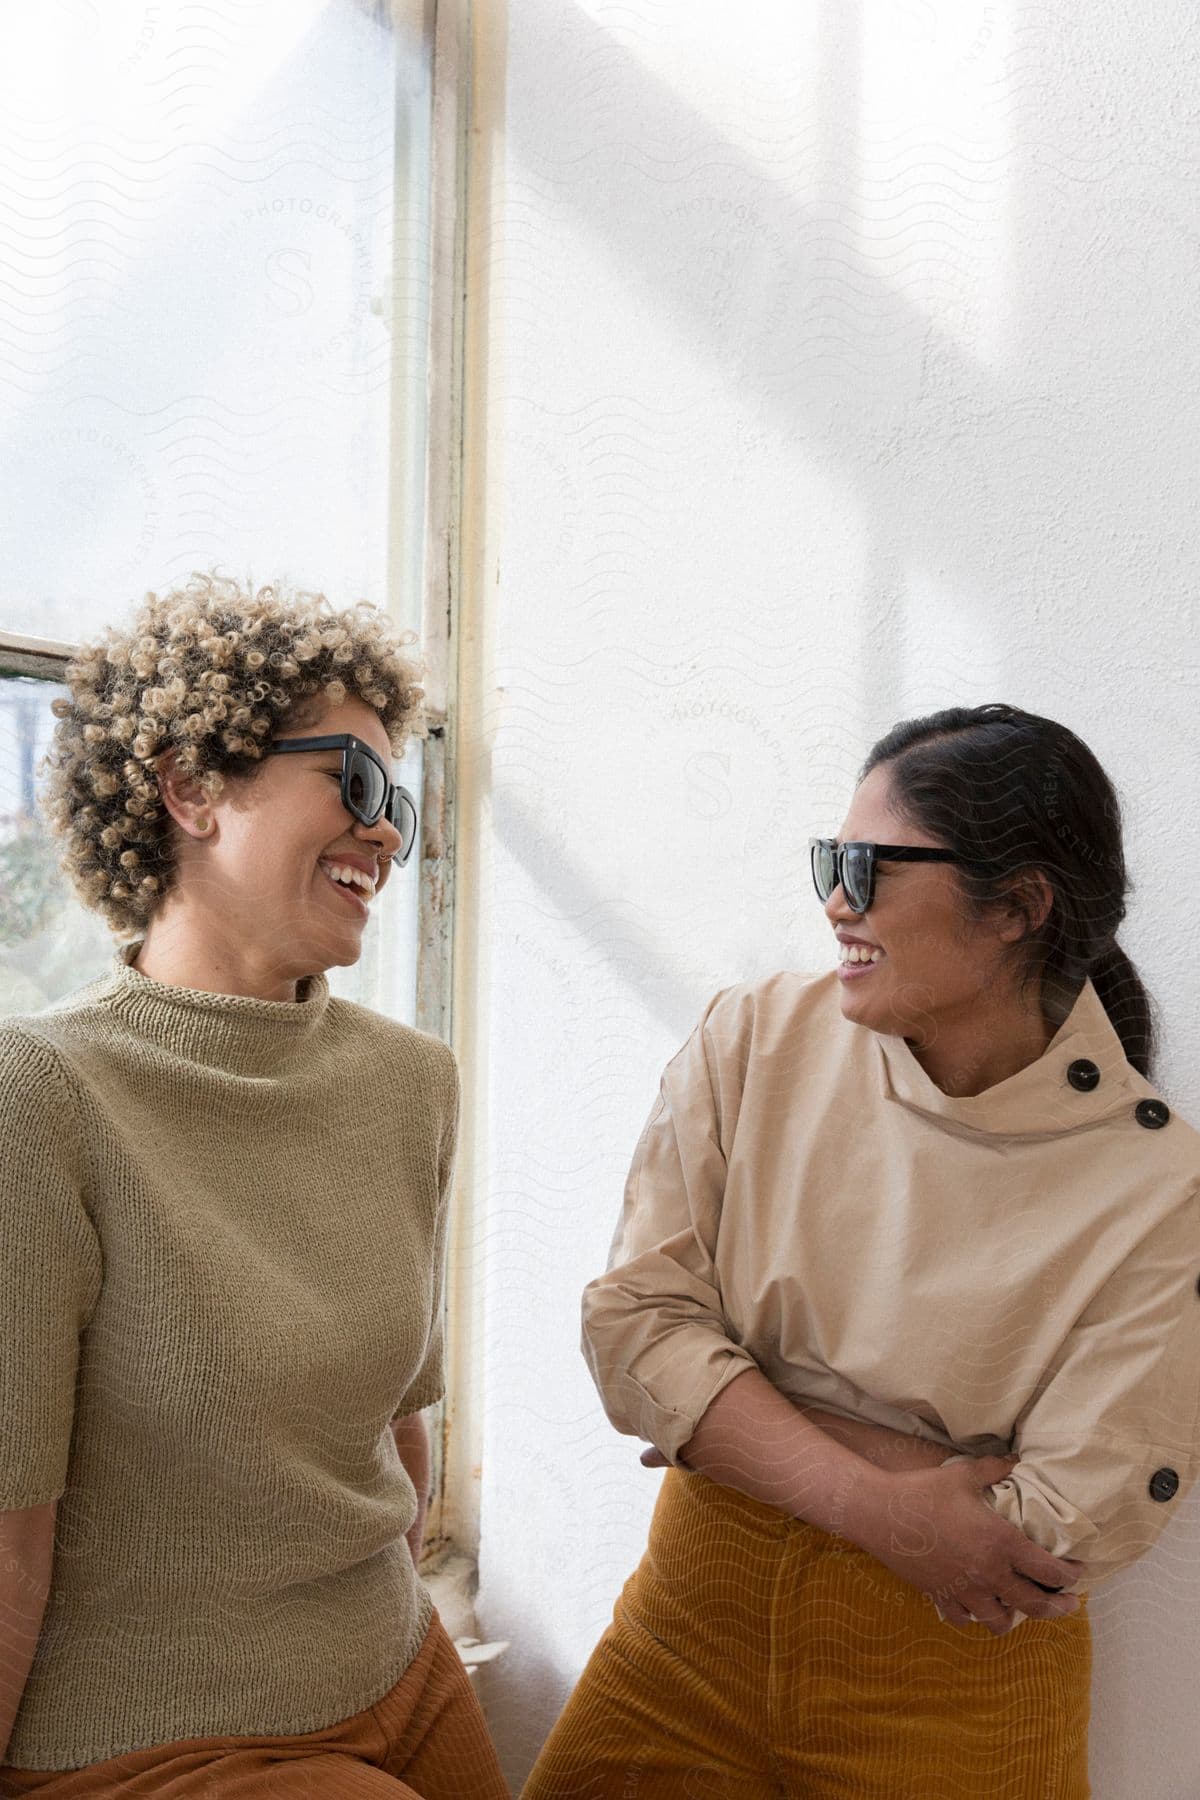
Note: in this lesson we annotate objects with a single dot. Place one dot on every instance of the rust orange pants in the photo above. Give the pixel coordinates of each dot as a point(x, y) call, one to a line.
point(426, 1739)
point(755, 1657)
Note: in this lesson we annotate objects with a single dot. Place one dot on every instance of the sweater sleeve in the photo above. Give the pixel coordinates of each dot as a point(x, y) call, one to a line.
point(1110, 1446)
point(50, 1269)
point(654, 1332)
point(429, 1383)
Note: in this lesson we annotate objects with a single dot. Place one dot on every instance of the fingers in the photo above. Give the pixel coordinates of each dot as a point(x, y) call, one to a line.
point(991, 1611)
point(951, 1612)
point(1045, 1572)
point(993, 1468)
point(985, 1610)
point(1031, 1599)
point(975, 1605)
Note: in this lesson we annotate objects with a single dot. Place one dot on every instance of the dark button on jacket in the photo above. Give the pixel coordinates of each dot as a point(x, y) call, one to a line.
point(1152, 1113)
point(1163, 1484)
point(1083, 1074)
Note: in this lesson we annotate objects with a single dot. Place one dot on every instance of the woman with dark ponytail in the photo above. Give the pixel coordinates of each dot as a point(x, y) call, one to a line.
point(905, 1292)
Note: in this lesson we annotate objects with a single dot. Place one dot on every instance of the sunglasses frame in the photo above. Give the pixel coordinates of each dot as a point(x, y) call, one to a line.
point(873, 853)
point(349, 745)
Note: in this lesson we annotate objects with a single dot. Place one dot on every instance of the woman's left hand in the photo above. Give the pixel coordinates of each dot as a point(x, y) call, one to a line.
point(653, 1459)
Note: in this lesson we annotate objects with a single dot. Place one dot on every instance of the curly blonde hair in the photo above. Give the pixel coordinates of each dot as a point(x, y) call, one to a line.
point(210, 670)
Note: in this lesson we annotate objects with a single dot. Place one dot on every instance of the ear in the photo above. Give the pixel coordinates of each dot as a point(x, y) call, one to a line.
point(1030, 899)
point(183, 797)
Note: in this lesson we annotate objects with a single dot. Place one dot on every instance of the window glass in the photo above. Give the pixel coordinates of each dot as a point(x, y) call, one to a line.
point(49, 943)
point(209, 360)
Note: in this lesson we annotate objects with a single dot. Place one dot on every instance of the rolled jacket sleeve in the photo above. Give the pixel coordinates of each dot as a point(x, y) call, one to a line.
point(1110, 1445)
point(654, 1334)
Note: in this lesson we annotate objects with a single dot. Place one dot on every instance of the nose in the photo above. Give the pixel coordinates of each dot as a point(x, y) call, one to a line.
point(382, 833)
point(837, 909)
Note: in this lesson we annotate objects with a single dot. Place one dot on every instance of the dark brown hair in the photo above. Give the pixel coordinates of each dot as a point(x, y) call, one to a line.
point(1010, 792)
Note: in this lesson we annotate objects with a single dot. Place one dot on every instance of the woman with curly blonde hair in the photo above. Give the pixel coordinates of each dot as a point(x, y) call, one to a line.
point(223, 1240)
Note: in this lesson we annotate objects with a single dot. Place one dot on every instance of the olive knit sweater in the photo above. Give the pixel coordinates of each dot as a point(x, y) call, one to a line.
point(222, 1231)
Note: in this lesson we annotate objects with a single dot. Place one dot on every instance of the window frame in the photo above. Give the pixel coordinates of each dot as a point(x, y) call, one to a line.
point(43, 658)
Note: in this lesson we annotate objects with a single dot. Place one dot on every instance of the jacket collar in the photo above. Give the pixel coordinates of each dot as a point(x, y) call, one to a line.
point(1038, 1101)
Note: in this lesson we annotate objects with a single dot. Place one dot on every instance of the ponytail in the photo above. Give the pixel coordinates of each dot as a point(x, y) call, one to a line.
point(1128, 1005)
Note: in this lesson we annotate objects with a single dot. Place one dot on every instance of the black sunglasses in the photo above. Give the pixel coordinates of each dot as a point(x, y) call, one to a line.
point(367, 790)
point(853, 864)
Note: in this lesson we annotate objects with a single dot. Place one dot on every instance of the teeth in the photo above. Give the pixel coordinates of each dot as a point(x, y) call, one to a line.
point(344, 873)
point(854, 953)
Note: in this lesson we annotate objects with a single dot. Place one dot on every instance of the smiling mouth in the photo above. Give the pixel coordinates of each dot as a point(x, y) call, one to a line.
point(352, 894)
point(849, 968)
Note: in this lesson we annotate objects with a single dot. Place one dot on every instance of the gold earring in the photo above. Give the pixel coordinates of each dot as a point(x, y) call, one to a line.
point(203, 824)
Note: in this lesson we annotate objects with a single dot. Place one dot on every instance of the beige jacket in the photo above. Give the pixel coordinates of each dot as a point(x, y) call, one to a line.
point(1014, 1271)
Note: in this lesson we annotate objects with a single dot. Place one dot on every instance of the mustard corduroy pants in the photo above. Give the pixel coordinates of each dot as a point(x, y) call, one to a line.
point(752, 1656)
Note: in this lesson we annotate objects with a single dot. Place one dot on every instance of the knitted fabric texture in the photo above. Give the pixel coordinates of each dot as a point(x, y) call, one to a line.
point(222, 1237)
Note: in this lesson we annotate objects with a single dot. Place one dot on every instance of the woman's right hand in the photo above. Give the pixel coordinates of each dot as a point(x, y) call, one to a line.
point(933, 1528)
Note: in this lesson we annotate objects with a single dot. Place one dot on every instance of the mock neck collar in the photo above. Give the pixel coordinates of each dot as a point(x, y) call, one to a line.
point(1039, 1100)
point(231, 1032)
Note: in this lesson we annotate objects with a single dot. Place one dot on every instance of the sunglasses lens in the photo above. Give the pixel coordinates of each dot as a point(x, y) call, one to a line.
point(856, 871)
point(364, 788)
point(824, 870)
point(403, 816)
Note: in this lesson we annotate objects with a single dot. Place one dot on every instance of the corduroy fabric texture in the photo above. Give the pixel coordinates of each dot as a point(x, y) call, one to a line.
point(222, 1229)
point(756, 1657)
point(425, 1740)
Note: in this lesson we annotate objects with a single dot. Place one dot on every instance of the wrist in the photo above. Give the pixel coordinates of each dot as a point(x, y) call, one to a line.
point(860, 1503)
point(879, 1445)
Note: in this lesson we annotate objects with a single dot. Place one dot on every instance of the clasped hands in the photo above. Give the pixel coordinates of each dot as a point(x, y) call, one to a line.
point(975, 1566)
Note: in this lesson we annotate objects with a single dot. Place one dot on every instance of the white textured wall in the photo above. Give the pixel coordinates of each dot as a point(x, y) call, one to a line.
point(828, 364)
